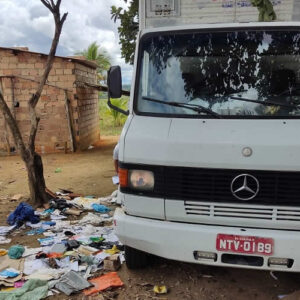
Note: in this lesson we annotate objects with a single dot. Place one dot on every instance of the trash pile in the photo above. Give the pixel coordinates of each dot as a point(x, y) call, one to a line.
point(76, 254)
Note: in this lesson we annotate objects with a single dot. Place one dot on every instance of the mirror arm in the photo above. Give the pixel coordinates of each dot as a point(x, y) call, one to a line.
point(120, 110)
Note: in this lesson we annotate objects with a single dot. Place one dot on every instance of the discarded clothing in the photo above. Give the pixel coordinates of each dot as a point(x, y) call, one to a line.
point(104, 282)
point(6, 262)
point(48, 211)
point(96, 245)
point(46, 274)
point(19, 284)
point(10, 281)
point(16, 252)
point(72, 282)
point(4, 230)
point(113, 250)
point(33, 265)
point(7, 289)
point(55, 255)
point(32, 251)
point(97, 239)
point(69, 233)
point(24, 212)
point(86, 250)
point(72, 244)
point(89, 259)
point(49, 223)
point(83, 202)
point(48, 241)
point(36, 231)
point(72, 211)
point(57, 217)
point(10, 272)
point(52, 263)
point(4, 240)
point(41, 255)
point(100, 208)
point(33, 289)
point(91, 218)
point(59, 204)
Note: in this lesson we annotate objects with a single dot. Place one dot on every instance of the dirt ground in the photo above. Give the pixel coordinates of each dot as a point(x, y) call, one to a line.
point(90, 173)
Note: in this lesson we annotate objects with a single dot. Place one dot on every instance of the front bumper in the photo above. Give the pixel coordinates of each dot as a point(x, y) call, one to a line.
point(179, 241)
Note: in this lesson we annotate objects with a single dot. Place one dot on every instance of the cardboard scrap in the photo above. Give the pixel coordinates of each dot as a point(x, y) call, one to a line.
point(112, 263)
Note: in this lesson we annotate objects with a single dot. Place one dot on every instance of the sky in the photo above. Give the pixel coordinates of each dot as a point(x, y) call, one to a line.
point(29, 23)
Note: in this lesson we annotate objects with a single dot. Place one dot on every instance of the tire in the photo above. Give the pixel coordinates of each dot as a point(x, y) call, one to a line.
point(135, 259)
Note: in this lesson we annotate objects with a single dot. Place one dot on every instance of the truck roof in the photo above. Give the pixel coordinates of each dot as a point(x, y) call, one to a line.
point(225, 26)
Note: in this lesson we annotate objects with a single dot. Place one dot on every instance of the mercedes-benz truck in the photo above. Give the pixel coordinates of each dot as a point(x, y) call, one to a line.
point(209, 159)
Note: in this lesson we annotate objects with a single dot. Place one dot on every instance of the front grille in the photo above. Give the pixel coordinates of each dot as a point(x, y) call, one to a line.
point(242, 211)
point(213, 185)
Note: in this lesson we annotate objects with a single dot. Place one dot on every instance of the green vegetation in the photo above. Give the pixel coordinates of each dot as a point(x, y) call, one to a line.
point(111, 121)
point(95, 53)
point(128, 29)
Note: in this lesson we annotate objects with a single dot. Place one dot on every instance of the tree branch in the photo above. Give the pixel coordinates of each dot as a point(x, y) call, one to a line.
point(47, 4)
point(55, 9)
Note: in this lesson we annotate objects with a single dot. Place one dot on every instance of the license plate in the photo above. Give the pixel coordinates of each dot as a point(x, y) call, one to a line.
point(244, 244)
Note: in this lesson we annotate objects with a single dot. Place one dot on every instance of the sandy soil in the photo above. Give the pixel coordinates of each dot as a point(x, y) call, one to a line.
point(90, 173)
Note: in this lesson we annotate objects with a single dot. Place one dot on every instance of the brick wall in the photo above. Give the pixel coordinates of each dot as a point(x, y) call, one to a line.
point(53, 132)
point(88, 109)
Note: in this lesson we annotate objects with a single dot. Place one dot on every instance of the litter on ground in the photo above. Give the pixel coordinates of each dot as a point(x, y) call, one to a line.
point(73, 249)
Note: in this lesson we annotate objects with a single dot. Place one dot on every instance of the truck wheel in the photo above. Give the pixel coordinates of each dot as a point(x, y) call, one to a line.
point(135, 259)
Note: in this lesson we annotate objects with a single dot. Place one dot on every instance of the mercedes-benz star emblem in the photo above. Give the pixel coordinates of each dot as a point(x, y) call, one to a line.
point(244, 187)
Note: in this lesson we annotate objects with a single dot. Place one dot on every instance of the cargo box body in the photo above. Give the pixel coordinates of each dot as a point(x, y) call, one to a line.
point(161, 13)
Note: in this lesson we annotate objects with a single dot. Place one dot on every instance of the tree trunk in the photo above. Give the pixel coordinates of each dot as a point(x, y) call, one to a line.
point(33, 161)
point(36, 179)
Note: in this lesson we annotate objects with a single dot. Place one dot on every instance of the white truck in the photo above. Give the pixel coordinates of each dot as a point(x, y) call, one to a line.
point(209, 160)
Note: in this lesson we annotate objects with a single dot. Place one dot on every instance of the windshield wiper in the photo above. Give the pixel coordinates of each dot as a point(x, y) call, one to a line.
point(194, 107)
point(289, 91)
point(268, 103)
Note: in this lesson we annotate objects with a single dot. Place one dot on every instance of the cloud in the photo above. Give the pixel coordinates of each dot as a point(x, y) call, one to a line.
point(29, 23)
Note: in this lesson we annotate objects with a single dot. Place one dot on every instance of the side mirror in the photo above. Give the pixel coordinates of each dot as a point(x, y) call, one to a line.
point(114, 82)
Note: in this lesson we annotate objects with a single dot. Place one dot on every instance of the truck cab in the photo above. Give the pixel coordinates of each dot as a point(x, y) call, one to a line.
point(209, 162)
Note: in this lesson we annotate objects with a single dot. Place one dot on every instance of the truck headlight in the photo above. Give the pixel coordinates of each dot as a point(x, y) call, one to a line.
point(141, 180)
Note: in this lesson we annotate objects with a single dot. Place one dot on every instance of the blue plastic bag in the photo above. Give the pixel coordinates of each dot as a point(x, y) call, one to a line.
point(100, 208)
point(24, 212)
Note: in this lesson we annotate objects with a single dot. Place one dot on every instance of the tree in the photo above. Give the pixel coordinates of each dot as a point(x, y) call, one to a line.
point(118, 118)
point(33, 160)
point(265, 9)
point(95, 53)
point(128, 28)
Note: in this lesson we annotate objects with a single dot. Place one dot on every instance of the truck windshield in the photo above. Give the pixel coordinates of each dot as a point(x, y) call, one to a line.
point(233, 74)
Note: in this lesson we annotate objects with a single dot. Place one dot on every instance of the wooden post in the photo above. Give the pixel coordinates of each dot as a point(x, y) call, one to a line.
point(13, 109)
point(6, 133)
point(70, 122)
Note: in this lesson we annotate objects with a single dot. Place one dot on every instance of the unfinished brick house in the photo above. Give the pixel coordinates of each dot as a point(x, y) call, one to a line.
point(68, 107)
